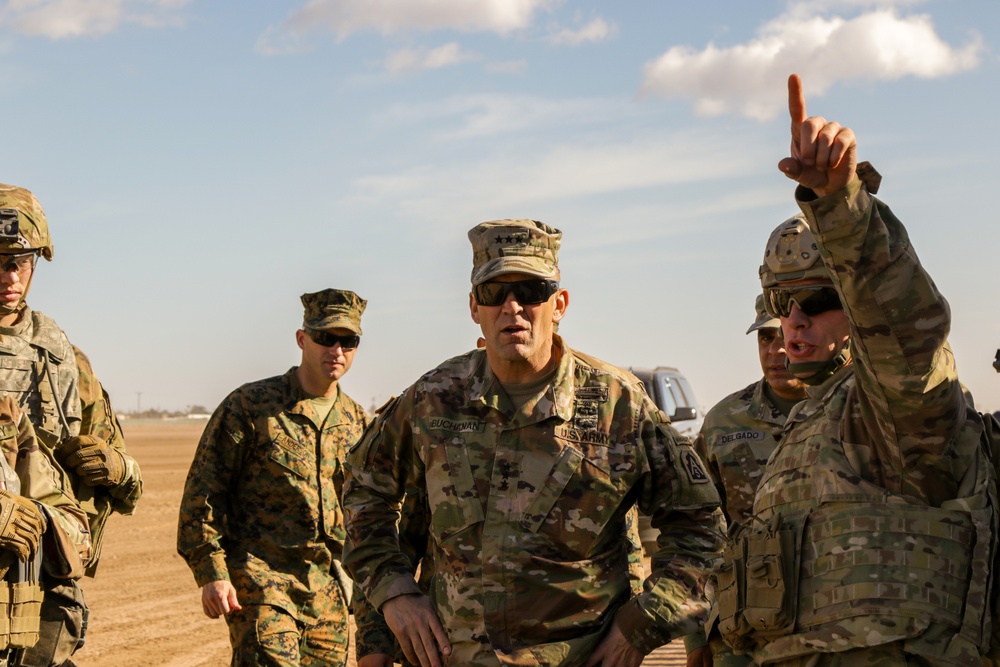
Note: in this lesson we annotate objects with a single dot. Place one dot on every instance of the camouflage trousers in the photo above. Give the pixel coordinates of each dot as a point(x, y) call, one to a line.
point(888, 655)
point(64, 626)
point(266, 636)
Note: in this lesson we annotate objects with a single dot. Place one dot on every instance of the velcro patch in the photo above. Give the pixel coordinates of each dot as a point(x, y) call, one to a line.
point(456, 425)
point(692, 466)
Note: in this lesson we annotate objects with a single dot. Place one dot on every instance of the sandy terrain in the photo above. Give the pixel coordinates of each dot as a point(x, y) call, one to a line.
point(145, 607)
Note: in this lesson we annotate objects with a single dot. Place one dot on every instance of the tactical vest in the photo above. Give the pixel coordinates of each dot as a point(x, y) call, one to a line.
point(838, 563)
point(20, 592)
point(29, 372)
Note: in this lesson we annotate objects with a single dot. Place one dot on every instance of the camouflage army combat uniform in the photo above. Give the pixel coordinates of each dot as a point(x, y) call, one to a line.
point(529, 541)
point(28, 469)
point(261, 507)
point(38, 367)
point(372, 635)
point(98, 420)
point(875, 517)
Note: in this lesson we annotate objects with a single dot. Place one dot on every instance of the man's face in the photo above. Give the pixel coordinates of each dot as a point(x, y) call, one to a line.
point(325, 363)
point(771, 349)
point(15, 276)
point(818, 337)
point(519, 336)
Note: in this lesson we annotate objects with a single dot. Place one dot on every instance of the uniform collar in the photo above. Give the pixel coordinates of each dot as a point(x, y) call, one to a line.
point(484, 388)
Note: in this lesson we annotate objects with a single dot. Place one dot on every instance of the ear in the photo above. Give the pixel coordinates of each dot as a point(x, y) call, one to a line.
point(300, 339)
point(473, 308)
point(561, 304)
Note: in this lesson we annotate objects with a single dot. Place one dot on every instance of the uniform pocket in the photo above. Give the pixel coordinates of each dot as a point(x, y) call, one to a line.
point(292, 456)
point(571, 510)
point(454, 504)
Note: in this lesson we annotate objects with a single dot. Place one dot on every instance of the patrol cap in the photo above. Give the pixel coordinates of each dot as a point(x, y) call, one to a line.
point(22, 222)
point(333, 309)
point(763, 321)
point(514, 246)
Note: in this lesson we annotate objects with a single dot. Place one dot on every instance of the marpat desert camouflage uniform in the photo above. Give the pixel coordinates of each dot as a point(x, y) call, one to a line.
point(529, 541)
point(30, 469)
point(875, 517)
point(261, 507)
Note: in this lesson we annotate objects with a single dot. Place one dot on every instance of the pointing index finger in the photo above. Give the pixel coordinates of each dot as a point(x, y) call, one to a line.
point(796, 101)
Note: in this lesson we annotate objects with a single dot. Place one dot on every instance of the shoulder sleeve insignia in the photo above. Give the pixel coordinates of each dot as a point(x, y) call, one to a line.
point(692, 466)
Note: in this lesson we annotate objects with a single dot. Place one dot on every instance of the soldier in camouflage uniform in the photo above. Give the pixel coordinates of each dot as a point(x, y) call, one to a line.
point(735, 443)
point(38, 367)
point(41, 526)
point(875, 521)
point(260, 522)
point(531, 456)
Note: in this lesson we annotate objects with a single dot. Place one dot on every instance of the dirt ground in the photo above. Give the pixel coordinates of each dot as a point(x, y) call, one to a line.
point(145, 607)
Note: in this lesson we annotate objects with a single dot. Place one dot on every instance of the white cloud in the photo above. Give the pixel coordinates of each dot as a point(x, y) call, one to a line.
point(59, 19)
point(512, 182)
point(490, 115)
point(596, 31)
point(343, 17)
point(508, 66)
point(408, 60)
point(749, 78)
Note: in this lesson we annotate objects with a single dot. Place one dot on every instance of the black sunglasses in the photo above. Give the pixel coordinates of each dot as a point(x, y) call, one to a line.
point(526, 292)
point(327, 339)
point(811, 300)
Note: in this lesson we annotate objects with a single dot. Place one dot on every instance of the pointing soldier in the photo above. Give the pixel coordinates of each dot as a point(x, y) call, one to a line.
point(874, 521)
point(260, 522)
point(530, 456)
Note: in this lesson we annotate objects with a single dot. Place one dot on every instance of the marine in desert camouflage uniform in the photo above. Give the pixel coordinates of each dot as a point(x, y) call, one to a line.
point(260, 522)
point(875, 521)
point(735, 442)
point(531, 456)
point(38, 367)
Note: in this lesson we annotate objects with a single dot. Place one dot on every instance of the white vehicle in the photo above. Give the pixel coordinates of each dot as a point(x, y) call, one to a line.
point(671, 391)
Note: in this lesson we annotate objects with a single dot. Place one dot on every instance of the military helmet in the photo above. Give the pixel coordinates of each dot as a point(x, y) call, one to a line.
point(22, 222)
point(791, 254)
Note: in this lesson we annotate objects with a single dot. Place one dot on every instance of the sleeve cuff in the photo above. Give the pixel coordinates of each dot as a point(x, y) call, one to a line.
point(213, 569)
point(391, 586)
point(640, 632)
point(830, 216)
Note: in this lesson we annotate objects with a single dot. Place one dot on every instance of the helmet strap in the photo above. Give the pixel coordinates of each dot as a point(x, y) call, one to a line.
point(821, 370)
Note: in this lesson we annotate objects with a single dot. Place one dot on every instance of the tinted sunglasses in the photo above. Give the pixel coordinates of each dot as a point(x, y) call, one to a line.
point(327, 339)
point(526, 292)
point(811, 300)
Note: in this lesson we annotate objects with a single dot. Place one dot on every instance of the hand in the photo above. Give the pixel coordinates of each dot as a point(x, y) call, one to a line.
point(21, 525)
point(95, 461)
point(375, 660)
point(218, 598)
point(700, 657)
point(417, 628)
point(824, 154)
point(615, 651)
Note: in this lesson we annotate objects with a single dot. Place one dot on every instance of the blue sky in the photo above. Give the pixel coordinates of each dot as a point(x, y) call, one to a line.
point(202, 164)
